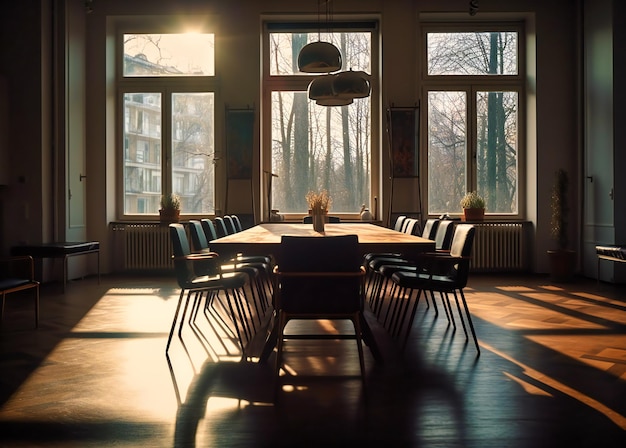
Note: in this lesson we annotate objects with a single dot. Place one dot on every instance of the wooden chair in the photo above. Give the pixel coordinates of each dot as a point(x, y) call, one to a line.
point(17, 274)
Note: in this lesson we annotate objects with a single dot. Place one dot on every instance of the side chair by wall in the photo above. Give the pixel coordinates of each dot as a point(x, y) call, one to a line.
point(17, 274)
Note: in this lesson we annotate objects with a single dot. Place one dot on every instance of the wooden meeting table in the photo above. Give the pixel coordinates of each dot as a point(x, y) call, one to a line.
point(265, 239)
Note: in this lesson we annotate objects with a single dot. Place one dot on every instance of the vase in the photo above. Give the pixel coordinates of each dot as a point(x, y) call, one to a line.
point(318, 222)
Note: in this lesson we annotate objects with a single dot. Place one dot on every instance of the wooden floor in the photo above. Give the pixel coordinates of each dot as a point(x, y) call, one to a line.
point(552, 372)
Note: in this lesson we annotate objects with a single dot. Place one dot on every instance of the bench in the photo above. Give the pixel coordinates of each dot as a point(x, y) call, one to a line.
point(610, 253)
point(60, 249)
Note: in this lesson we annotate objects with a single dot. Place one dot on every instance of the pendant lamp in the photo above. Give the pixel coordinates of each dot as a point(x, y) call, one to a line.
point(321, 87)
point(319, 57)
point(351, 84)
point(334, 101)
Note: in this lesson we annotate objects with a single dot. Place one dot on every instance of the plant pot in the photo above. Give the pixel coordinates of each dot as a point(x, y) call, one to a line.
point(473, 214)
point(169, 216)
point(562, 265)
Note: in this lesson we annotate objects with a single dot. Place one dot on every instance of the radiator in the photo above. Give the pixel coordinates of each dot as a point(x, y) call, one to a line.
point(142, 246)
point(500, 247)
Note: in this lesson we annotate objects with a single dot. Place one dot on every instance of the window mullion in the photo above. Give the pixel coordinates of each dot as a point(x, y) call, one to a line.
point(472, 138)
point(166, 141)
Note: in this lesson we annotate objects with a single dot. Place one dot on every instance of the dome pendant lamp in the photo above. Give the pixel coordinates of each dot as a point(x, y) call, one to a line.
point(351, 84)
point(321, 87)
point(319, 57)
point(321, 90)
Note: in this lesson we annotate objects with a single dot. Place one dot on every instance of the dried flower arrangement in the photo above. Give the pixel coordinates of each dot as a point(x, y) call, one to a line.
point(318, 202)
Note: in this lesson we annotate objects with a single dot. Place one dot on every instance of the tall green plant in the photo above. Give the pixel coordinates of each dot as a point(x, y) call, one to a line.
point(560, 209)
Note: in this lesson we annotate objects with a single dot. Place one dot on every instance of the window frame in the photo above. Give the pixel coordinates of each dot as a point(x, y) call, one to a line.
point(300, 81)
point(165, 86)
point(471, 84)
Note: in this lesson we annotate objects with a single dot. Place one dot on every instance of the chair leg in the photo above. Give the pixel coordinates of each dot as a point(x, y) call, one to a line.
point(469, 319)
point(282, 321)
point(410, 322)
point(180, 301)
point(37, 307)
point(458, 307)
point(359, 342)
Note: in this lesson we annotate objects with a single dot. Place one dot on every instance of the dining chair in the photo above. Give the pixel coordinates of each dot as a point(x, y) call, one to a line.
point(398, 224)
point(398, 228)
point(264, 262)
point(237, 221)
point(373, 261)
point(231, 228)
point(430, 228)
point(318, 278)
point(384, 271)
point(445, 273)
point(208, 282)
point(221, 228)
point(200, 244)
point(17, 274)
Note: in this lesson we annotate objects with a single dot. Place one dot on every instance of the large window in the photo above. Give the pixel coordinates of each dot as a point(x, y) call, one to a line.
point(166, 85)
point(312, 147)
point(474, 93)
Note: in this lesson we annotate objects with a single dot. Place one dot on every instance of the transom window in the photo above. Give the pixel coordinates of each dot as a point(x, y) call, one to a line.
point(167, 96)
point(312, 147)
point(474, 97)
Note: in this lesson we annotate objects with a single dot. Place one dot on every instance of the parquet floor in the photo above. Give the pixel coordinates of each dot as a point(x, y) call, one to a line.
point(552, 372)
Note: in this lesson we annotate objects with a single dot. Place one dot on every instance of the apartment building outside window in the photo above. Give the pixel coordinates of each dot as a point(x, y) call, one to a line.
point(167, 94)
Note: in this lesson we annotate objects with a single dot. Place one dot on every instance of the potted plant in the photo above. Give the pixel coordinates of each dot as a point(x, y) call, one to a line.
point(562, 259)
point(170, 208)
point(473, 207)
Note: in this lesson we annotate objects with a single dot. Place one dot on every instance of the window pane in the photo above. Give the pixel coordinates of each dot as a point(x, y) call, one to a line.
point(193, 150)
point(472, 53)
point(497, 150)
point(316, 147)
point(355, 50)
point(447, 149)
point(142, 146)
point(186, 54)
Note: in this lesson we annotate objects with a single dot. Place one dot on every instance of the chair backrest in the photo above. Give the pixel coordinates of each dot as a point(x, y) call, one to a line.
point(410, 225)
point(331, 219)
point(326, 293)
point(399, 221)
point(181, 248)
point(230, 224)
point(220, 227)
point(320, 254)
point(198, 237)
point(430, 228)
point(237, 221)
point(443, 237)
point(186, 270)
point(462, 241)
point(209, 229)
